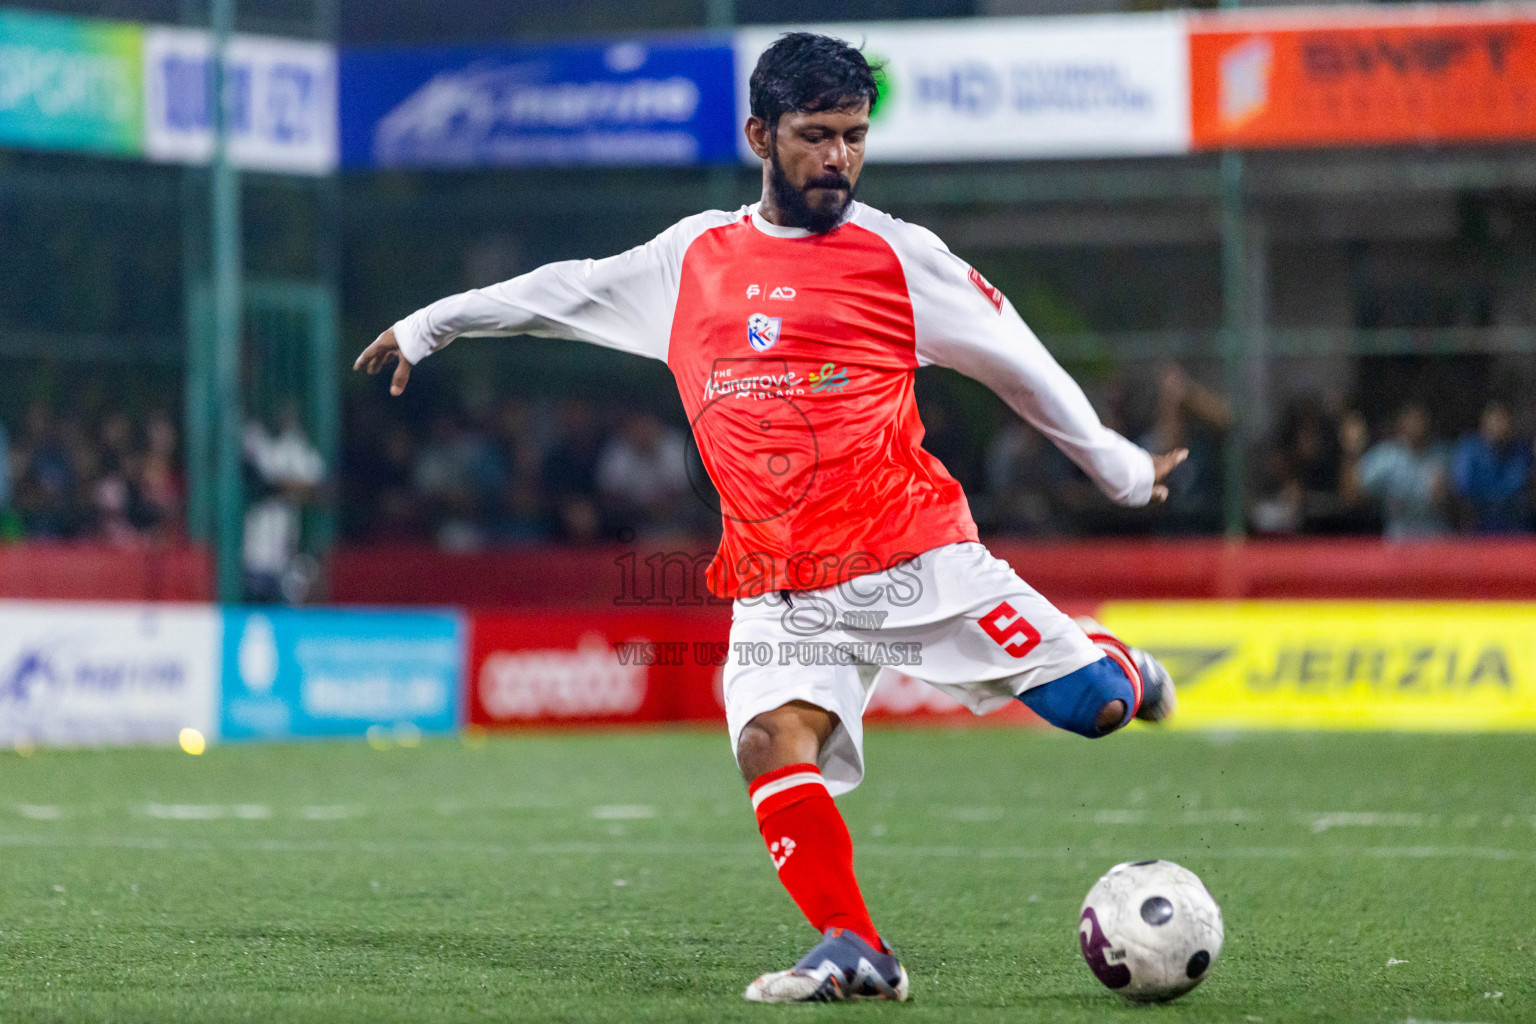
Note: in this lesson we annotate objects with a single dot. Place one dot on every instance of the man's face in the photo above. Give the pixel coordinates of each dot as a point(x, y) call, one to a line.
point(1413, 426)
point(813, 161)
point(1497, 426)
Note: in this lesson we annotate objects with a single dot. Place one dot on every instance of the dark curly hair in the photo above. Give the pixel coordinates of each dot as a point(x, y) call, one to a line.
point(803, 71)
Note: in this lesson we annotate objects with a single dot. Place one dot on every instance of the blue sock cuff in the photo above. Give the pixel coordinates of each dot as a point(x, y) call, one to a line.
point(1073, 701)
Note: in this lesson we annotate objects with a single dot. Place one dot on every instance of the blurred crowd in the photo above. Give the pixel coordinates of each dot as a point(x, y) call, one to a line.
point(521, 471)
point(114, 479)
point(1327, 474)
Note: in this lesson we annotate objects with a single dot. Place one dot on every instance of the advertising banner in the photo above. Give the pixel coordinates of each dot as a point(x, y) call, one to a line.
point(281, 101)
point(95, 674)
point(628, 103)
point(1420, 75)
point(585, 668)
point(1014, 88)
point(293, 672)
point(620, 667)
point(70, 83)
point(1341, 665)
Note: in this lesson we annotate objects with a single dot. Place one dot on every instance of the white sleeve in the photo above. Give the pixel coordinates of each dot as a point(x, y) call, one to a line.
point(966, 324)
point(623, 302)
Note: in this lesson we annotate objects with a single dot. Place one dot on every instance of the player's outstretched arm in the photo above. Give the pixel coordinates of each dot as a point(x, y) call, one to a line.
point(963, 322)
point(377, 356)
point(624, 302)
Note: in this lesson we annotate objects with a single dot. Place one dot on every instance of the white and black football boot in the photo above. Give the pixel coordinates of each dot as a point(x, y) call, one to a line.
point(841, 968)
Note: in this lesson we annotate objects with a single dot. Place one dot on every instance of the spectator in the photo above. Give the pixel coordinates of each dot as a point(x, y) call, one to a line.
point(1306, 489)
point(289, 471)
point(1491, 471)
point(1407, 474)
point(1031, 486)
point(461, 474)
point(46, 489)
point(1190, 415)
point(642, 475)
point(5, 470)
point(160, 487)
point(568, 472)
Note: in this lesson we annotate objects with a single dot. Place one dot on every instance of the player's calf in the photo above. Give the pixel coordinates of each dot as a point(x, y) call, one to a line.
point(805, 835)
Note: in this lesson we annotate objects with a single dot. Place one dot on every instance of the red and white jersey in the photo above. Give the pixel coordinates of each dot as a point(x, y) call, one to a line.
point(794, 354)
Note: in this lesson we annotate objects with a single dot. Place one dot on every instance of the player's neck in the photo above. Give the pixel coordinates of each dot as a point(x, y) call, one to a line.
point(769, 210)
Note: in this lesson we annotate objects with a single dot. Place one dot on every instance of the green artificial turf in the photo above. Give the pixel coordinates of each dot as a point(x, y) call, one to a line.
point(619, 877)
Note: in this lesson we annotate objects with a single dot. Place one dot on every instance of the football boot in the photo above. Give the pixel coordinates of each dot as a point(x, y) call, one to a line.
point(841, 968)
point(1159, 700)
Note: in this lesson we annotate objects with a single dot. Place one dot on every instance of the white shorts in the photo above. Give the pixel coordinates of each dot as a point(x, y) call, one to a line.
point(954, 617)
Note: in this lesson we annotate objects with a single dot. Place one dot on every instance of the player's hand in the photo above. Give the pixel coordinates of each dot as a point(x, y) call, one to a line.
point(379, 355)
point(1162, 465)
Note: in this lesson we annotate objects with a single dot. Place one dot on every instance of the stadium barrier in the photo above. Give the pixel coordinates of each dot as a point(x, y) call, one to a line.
point(618, 577)
point(1421, 666)
point(77, 674)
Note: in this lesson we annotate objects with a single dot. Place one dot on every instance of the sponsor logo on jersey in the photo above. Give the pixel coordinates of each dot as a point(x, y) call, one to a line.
point(763, 331)
point(782, 291)
point(828, 378)
point(988, 291)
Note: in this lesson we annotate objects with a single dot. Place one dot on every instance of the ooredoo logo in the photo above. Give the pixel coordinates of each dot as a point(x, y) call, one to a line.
point(561, 683)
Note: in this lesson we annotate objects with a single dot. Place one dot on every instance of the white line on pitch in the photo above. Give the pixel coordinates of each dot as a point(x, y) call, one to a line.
point(755, 849)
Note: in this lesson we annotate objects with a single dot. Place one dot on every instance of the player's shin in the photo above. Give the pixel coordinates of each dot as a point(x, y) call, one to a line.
point(811, 848)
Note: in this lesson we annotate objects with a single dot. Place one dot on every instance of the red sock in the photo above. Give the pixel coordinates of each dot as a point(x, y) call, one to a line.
point(811, 848)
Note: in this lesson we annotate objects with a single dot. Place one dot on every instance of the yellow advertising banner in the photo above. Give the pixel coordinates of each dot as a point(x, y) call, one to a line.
point(1443, 666)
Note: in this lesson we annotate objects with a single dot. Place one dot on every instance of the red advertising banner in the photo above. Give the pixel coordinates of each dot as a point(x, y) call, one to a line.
point(1418, 75)
point(618, 668)
point(594, 668)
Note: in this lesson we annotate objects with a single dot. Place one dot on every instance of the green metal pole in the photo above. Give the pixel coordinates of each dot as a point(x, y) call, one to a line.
point(1235, 304)
point(228, 308)
point(197, 385)
point(720, 15)
point(197, 381)
point(1234, 340)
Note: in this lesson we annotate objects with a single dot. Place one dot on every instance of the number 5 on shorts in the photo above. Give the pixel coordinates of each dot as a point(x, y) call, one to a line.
point(1003, 624)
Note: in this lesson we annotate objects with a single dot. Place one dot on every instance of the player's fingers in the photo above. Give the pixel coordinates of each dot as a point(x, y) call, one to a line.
point(1159, 495)
point(1162, 465)
point(376, 356)
point(402, 376)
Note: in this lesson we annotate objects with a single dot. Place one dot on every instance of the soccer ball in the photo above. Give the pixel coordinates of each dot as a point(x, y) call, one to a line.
point(1150, 930)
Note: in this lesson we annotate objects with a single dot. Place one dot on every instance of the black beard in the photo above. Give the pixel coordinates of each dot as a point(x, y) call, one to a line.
point(795, 210)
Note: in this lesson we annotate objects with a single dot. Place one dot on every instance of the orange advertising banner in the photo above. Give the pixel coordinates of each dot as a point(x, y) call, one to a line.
point(1419, 75)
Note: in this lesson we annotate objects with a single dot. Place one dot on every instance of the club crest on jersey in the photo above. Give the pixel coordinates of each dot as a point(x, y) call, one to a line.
point(763, 331)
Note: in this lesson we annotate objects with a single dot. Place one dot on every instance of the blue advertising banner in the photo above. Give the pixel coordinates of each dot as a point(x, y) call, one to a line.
point(293, 672)
point(629, 103)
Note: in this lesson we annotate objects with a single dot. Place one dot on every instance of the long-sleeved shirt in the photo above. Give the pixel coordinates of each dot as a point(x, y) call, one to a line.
point(794, 354)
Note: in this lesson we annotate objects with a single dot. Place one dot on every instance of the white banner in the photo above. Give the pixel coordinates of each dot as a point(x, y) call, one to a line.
point(96, 674)
point(1014, 88)
point(281, 101)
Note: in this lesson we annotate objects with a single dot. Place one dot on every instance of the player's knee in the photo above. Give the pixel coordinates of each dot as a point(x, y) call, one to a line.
point(1094, 701)
point(792, 734)
point(1111, 717)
